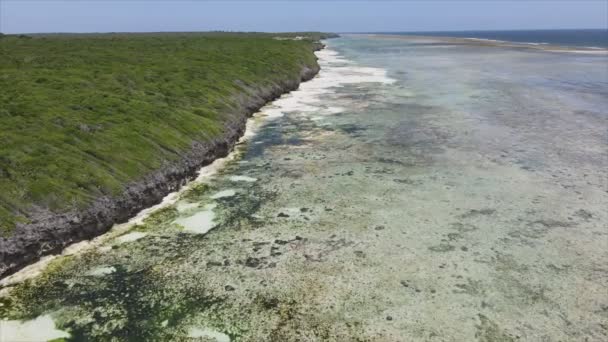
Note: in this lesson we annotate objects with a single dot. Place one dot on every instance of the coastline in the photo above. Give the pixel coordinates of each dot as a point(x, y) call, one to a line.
point(482, 42)
point(335, 72)
point(50, 234)
point(402, 181)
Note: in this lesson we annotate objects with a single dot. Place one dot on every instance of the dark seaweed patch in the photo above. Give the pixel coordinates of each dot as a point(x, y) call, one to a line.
point(489, 331)
point(478, 212)
point(124, 305)
point(236, 211)
point(442, 248)
point(352, 129)
point(196, 192)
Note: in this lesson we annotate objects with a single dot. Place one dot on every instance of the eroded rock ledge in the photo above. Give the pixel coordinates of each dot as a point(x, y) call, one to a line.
point(49, 233)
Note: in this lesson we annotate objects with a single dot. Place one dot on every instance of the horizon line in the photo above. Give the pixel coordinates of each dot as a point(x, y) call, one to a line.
point(296, 31)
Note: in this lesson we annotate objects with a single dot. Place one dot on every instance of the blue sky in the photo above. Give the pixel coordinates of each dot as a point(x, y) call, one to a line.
point(23, 16)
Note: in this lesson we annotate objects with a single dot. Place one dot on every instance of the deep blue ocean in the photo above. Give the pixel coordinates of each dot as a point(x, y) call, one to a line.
point(582, 37)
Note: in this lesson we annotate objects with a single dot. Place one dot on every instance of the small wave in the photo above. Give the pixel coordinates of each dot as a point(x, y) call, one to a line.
point(487, 40)
point(336, 71)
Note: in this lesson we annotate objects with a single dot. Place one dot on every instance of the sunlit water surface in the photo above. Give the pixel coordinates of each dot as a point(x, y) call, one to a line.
point(415, 190)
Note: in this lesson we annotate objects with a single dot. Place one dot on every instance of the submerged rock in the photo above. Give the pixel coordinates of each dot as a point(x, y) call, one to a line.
point(252, 262)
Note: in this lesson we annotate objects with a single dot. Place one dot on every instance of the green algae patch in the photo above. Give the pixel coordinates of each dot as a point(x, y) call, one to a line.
point(196, 192)
point(127, 304)
point(158, 219)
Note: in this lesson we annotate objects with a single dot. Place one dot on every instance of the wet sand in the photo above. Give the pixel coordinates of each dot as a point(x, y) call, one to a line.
point(412, 191)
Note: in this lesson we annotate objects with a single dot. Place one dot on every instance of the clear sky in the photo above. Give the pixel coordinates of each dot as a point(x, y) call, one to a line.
point(28, 16)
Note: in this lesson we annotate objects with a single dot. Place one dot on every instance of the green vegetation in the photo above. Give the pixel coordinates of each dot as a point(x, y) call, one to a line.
point(82, 115)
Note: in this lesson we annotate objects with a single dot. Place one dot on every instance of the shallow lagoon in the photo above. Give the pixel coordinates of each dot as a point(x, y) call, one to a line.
point(412, 191)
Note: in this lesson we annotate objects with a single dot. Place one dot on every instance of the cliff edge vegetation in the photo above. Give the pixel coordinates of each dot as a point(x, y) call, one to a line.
point(84, 117)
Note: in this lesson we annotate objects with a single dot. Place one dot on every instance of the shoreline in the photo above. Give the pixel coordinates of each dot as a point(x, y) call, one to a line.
point(53, 234)
point(482, 42)
point(401, 187)
point(298, 100)
point(119, 229)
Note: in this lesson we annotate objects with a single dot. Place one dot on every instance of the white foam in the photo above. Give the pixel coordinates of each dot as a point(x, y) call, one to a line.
point(208, 333)
point(224, 194)
point(243, 179)
point(336, 72)
point(536, 44)
point(101, 271)
point(41, 328)
point(583, 52)
point(487, 40)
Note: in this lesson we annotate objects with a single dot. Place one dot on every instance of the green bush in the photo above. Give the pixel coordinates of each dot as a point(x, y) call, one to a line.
point(81, 115)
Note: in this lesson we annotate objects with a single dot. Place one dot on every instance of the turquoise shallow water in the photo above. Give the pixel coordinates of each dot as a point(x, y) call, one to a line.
point(580, 37)
point(415, 190)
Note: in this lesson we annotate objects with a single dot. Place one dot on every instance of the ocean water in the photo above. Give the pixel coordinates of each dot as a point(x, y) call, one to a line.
point(414, 190)
point(579, 38)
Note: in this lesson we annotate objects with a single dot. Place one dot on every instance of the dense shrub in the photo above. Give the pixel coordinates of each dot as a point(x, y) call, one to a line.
point(81, 115)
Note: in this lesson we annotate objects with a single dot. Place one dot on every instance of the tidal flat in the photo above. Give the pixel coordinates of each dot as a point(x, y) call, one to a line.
point(413, 191)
